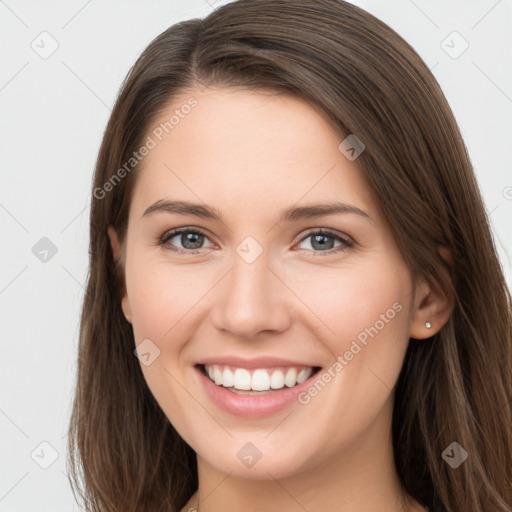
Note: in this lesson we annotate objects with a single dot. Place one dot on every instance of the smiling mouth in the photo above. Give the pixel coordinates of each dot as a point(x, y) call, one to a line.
point(258, 381)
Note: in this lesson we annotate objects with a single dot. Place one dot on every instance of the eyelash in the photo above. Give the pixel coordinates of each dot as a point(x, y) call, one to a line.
point(163, 241)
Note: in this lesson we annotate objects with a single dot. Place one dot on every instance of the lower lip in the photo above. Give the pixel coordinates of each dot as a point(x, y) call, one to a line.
point(252, 406)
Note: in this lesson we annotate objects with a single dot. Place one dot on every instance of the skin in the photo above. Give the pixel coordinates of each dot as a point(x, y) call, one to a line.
point(249, 155)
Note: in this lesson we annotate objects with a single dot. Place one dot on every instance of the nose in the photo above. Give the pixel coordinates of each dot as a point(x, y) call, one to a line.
point(252, 299)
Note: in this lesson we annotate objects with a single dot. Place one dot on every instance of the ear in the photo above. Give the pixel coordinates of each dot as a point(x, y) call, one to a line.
point(116, 252)
point(432, 303)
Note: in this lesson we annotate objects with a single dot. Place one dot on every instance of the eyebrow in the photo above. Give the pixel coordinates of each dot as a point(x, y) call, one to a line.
point(291, 214)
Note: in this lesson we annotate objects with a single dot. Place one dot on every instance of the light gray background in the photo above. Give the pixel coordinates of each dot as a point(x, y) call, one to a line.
point(54, 111)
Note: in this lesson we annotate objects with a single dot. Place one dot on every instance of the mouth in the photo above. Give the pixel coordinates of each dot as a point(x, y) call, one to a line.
point(257, 381)
point(253, 389)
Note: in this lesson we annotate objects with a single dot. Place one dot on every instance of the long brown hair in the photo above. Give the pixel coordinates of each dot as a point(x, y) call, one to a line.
point(124, 454)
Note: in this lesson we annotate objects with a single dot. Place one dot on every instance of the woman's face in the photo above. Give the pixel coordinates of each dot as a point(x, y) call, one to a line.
point(261, 286)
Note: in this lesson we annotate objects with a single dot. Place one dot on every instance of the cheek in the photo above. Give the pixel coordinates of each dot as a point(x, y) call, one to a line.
point(164, 304)
point(349, 300)
point(365, 324)
point(163, 299)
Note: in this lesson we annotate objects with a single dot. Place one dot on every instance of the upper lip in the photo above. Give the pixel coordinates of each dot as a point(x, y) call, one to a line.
point(256, 362)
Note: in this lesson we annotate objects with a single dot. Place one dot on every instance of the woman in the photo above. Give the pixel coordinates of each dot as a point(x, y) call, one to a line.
point(294, 300)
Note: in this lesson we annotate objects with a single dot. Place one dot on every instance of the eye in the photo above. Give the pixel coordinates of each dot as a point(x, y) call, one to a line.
point(191, 240)
point(323, 241)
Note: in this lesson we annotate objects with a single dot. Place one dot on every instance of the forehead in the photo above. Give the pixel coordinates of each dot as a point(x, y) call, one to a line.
point(250, 148)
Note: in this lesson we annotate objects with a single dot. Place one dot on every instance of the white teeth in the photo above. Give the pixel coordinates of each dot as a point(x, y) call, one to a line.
point(228, 378)
point(277, 380)
point(217, 375)
point(304, 374)
point(291, 377)
point(242, 379)
point(259, 380)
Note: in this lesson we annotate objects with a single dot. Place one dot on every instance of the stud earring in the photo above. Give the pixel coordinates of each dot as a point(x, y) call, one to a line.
point(428, 325)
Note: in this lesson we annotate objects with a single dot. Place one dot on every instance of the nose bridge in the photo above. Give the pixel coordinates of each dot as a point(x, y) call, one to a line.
point(252, 298)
